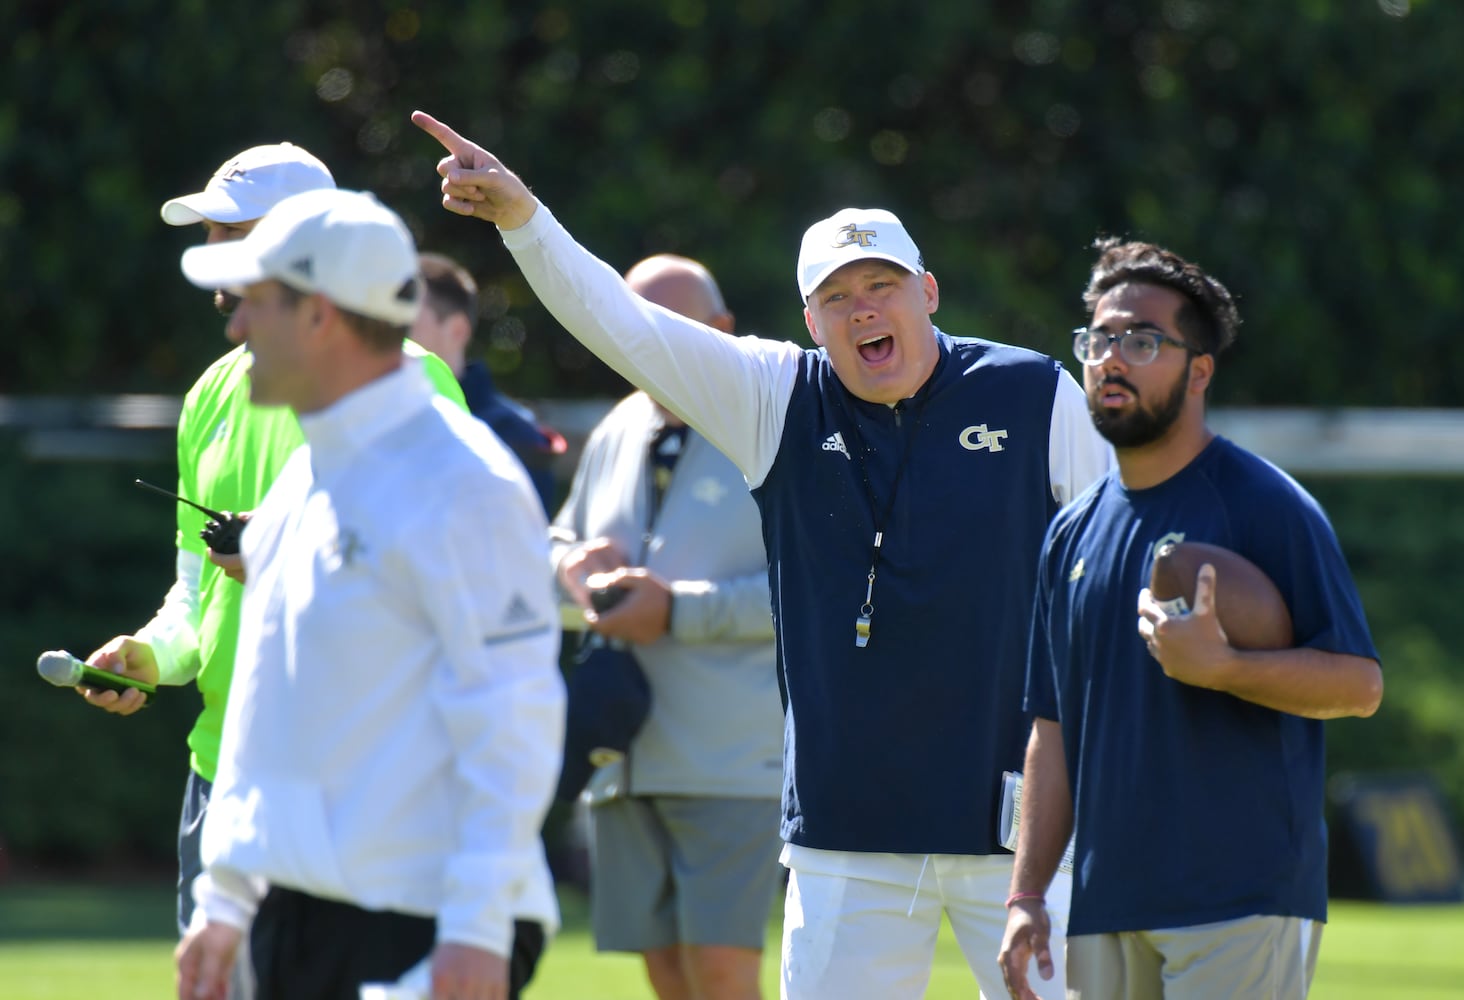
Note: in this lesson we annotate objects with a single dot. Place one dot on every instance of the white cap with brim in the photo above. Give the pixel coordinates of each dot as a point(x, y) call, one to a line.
point(249, 185)
point(854, 234)
point(344, 245)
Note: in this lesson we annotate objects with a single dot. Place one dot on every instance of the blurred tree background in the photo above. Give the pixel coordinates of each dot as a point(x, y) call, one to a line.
point(1300, 151)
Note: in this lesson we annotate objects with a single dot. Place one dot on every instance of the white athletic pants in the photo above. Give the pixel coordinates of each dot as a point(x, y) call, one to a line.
point(863, 926)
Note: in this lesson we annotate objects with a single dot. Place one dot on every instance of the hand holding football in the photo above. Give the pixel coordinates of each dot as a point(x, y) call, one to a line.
point(1250, 608)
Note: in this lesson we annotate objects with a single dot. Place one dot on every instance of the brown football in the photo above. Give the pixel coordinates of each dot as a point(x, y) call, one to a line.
point(1251, 609)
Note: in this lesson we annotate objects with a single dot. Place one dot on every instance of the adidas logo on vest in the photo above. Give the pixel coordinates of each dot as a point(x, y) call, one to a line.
point(835, 442)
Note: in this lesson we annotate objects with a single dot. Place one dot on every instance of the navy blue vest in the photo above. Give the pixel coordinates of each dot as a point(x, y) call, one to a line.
point(899, 746)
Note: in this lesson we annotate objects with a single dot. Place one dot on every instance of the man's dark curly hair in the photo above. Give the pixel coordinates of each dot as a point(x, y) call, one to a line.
point(1208, 319)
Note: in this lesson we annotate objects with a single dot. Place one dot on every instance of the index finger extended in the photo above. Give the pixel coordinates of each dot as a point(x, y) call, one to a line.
point(443, 133)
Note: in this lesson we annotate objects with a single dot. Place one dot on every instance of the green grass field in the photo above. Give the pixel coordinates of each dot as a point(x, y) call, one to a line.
point(82, 942)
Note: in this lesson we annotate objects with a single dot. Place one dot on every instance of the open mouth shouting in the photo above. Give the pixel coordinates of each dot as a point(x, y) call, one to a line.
point(876, 350)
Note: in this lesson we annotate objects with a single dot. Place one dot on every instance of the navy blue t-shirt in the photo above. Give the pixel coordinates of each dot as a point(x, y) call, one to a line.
point(1191, 806)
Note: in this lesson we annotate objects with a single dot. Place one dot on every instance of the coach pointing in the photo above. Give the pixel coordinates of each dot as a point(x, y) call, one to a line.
point(905, 479)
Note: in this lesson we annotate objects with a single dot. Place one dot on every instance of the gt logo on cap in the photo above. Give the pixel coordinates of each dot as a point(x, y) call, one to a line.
point(852, 234)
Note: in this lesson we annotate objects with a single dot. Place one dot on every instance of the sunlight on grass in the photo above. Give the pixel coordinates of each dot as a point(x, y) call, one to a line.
point(1370, 950)
point(83, 970)
point(78, 942)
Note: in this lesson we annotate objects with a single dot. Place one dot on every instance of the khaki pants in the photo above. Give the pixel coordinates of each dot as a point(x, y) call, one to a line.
point(1259, 958)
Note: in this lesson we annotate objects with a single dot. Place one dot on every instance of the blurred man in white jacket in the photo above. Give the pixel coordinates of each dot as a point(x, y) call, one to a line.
point(392, 735)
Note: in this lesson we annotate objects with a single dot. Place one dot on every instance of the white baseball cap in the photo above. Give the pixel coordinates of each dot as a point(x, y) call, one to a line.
point(249, 185)
point(345, 245)
point(854, 234)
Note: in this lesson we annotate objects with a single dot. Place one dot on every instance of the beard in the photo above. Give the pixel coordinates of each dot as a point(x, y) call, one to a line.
point(1142, 425)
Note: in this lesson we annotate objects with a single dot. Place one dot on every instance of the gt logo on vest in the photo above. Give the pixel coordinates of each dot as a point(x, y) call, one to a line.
point(978, 438)
point(851, 235)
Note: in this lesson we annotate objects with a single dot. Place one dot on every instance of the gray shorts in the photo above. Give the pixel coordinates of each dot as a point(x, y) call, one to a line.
point(672, 870)
point(1265, 958)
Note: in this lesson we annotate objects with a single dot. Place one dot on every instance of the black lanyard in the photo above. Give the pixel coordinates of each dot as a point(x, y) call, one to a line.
point(863, 620)
point(660, 465)
point(664, 449)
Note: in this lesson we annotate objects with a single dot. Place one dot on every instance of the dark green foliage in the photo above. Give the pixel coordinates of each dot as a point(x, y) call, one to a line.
point(1307, 153)
point(87, 557)
point(1302, 152)
point(1405, 544)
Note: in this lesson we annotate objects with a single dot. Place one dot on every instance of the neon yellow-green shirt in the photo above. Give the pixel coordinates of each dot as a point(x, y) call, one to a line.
point(229, 452)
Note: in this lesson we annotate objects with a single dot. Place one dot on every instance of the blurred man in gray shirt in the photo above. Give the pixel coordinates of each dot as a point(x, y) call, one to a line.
point(685, 852)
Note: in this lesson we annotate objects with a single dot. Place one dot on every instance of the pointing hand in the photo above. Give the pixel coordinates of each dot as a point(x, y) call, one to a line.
point(475, 182)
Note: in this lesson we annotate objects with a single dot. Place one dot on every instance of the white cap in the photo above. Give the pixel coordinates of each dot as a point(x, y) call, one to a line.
point(345, 245)
point(854, 234)
point(249, 185)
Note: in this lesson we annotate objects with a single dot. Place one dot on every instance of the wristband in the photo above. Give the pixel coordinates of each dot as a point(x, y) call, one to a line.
point(1017, 897)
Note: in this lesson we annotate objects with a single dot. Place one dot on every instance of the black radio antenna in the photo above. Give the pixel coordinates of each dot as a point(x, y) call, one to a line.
point(196, 506)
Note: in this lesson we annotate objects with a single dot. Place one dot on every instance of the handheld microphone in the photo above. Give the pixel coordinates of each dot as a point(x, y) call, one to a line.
point(64, 670)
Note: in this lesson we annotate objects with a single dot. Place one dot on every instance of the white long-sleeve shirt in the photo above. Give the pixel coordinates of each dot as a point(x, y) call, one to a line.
point(173, 631)
point(395, 724)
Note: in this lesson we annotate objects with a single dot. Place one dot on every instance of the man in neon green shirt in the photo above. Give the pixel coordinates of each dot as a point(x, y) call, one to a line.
point(229, 453)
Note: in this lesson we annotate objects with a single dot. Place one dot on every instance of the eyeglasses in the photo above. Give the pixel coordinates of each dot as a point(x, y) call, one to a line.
point(1137, 347)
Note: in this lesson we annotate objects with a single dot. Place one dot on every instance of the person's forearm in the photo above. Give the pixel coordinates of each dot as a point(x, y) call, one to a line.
point(173, 631)
point(226, 896)
point(733, 390)
point(1308, 682)
point(508, 779)
point(736, 609)
point(1047, 811)
point(497, 695)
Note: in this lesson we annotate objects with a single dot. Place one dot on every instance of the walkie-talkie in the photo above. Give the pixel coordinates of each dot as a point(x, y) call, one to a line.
point(220, 534)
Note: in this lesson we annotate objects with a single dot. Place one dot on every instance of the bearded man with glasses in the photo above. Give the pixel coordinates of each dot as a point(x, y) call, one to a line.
point(1137, 346)
point(1194, 770)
